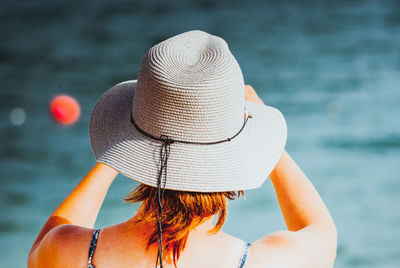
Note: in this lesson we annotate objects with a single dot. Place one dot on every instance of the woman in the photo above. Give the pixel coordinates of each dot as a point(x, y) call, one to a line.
point(193, 135)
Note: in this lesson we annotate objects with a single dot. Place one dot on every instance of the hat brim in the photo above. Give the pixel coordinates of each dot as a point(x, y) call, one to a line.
point(243, 163)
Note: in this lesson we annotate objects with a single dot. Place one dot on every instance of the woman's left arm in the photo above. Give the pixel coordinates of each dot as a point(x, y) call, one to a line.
point(82, 205)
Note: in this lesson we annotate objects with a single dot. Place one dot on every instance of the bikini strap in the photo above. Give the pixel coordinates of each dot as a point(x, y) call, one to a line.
point(244, 255)
point(93, 243)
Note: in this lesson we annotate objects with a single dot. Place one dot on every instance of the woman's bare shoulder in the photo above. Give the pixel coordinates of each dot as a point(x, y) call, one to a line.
point(286, 249)
point(66, 245)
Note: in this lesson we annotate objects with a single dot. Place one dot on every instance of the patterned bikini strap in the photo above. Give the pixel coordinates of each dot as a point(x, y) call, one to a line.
point(244, 255)
point(93, 243)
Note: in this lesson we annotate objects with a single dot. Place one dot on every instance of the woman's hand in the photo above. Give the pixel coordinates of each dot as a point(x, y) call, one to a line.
point(251, 95)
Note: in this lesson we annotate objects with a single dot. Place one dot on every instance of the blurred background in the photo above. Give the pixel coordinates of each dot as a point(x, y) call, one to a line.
point(331, 67)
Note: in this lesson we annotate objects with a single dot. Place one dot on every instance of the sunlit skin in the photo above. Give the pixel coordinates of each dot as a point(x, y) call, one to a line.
point(310, 239)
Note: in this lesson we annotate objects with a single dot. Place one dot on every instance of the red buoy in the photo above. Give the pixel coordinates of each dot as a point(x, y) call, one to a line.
point(65, 109)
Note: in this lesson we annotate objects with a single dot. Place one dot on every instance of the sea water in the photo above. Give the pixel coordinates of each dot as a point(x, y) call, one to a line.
point(331, 67)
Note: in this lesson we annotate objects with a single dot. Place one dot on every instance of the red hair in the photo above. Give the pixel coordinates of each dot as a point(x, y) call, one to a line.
point(182, 212)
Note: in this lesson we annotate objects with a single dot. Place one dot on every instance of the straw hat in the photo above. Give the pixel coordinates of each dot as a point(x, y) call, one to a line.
point(189, 88)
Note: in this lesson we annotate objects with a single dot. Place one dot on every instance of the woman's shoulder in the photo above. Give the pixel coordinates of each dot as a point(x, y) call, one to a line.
point(66, 245)
point(286, 249)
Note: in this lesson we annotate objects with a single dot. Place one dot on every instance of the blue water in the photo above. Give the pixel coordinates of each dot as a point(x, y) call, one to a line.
point(331, 67)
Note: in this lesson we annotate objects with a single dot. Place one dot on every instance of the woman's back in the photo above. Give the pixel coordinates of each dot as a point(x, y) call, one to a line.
point(124, 245)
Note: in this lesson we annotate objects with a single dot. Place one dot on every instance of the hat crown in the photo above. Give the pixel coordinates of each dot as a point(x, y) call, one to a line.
point(190, 87)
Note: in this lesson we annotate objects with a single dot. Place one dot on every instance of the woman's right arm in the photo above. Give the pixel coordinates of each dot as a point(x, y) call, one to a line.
point(311, 239)
point(302, 207)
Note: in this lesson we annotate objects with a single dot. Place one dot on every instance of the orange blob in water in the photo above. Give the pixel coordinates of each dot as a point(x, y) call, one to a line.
point(65, 109)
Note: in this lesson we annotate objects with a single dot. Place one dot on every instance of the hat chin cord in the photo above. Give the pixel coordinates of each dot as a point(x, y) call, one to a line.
point(164, 155)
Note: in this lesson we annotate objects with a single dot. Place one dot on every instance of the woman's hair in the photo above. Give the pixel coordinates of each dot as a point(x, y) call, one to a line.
point(182, 212)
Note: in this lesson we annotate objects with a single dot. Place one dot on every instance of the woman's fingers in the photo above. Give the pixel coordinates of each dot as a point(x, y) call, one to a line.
point(251, 95)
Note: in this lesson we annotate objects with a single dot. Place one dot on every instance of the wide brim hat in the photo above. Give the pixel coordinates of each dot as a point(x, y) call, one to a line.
point(189, 88)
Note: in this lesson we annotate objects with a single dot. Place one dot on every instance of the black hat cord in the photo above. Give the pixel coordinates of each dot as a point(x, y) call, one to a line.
point(164, 155)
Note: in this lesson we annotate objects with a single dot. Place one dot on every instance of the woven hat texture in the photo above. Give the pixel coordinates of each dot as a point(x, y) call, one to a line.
point(190, 88)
